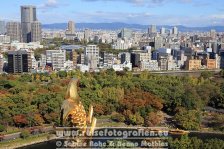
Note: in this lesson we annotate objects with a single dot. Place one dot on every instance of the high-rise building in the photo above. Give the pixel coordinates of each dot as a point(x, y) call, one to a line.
point(213, 34)
point(17, 61)
point(87, 34)
point(126, 33)
point(175, 30)
point(152, 29)
point(162, 30)
point(28, 15)
point(2, 27)
point(158, 42)
point(14, 31)
point(35, 31)
point(71, 27)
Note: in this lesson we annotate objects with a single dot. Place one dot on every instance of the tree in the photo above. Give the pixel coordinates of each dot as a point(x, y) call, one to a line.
point(20, 120)
point(2, 128)
point(183, 143)
point(38, 119)
point(117, 117)
point(206, 74)
point(188, 119)
point(152, 119)
point(25, 134)
point(62, 74)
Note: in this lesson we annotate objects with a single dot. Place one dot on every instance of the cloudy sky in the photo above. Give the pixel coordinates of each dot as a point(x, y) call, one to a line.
point(159, 12)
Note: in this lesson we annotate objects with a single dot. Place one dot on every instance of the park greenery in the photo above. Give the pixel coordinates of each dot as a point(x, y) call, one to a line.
point(186, 142)
point(34, 99)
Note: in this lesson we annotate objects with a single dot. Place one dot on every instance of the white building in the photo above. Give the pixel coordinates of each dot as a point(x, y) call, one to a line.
point(162, 31)
point(175, 30)
point(56, 59)
point(91, 52)
point(151, 65)
point(121, 44)
point(43, 60)
point(83, 68)
point(4, 39)
point(68, 65)
point(121, 67)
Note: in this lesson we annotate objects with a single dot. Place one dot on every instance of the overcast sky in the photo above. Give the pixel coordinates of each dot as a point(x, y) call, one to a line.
point(159, 12)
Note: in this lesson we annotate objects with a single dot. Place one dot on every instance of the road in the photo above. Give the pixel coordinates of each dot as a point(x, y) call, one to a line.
point(17, 135)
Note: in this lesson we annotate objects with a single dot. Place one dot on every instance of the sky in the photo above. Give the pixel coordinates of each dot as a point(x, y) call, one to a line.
point(159, 12)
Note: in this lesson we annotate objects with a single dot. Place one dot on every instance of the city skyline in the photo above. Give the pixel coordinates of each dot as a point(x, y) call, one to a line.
point(159, 12)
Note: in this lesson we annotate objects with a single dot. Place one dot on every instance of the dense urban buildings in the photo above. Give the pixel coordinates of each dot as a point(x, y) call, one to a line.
point(136, 50)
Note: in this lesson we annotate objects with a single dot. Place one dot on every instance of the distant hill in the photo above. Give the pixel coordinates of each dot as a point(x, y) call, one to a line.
point(118, 25)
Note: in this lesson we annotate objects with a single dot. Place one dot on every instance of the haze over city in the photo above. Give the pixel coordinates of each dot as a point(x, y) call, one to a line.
point(159, 12)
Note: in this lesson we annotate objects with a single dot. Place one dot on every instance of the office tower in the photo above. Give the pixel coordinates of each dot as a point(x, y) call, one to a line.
point(152, 29)
point(126, 33)
point(175, 30)
point(28, 15)
point(158, 42)
point(17, 61)
point(14, 31)
point(35, 31)
point(87, 34)
point(213, 34)
point(71, 28)
point(2, 27)
point(162, 30)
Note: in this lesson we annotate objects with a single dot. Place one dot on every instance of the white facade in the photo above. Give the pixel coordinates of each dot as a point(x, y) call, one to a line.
point(162, 30)
point(121, 67)
point(68, 65)
point(43, 60)
point(57, 58)
point(175, 30)
point(121, 44)
point(91, 52)
point(151, 65)
point(4, 39)
point(83, 68)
